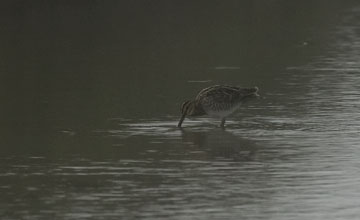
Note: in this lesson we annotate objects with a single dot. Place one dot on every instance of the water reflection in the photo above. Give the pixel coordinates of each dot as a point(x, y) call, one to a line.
point(199, 140)
point(91, 125)
point(220, 143)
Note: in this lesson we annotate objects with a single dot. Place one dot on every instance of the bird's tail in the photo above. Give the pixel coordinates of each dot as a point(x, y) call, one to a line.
point(250, 91)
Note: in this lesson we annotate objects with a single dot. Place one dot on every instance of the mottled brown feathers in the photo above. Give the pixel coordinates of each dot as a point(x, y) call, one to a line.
point(217, 100)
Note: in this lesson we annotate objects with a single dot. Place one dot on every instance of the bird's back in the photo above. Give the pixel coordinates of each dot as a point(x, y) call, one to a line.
point(223, 97)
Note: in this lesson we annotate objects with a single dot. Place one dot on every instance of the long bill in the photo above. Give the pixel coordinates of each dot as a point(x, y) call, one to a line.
point(181, 120)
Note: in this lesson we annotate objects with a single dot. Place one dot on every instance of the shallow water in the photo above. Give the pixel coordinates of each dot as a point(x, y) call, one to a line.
point(99, 144)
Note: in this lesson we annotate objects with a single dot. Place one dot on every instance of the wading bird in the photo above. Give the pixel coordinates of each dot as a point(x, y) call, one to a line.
point(218, 101)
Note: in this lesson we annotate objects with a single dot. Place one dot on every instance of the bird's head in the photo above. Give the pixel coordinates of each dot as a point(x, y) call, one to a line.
point(187, 107)
point(190, 108)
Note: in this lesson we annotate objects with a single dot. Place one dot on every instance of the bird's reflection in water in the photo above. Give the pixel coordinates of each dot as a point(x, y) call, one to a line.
point(219, 143)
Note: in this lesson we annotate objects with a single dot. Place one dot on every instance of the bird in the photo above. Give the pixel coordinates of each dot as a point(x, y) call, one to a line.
point(217, 101)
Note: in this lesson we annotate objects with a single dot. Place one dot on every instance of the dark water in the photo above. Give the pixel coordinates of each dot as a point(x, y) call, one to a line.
point(90, 100)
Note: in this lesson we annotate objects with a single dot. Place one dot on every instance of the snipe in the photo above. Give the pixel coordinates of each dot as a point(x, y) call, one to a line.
point(218, 101)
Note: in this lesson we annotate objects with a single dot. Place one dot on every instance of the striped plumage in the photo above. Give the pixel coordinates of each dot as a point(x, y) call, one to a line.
point(219, 101)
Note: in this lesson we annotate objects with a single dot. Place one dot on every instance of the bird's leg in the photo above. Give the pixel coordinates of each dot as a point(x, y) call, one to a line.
point(222, 124)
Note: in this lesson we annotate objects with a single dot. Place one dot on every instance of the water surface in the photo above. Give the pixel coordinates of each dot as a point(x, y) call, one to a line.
point(92, 100)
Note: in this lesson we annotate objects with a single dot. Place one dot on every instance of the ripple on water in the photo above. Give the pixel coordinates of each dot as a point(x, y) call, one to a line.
point(294, 155)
